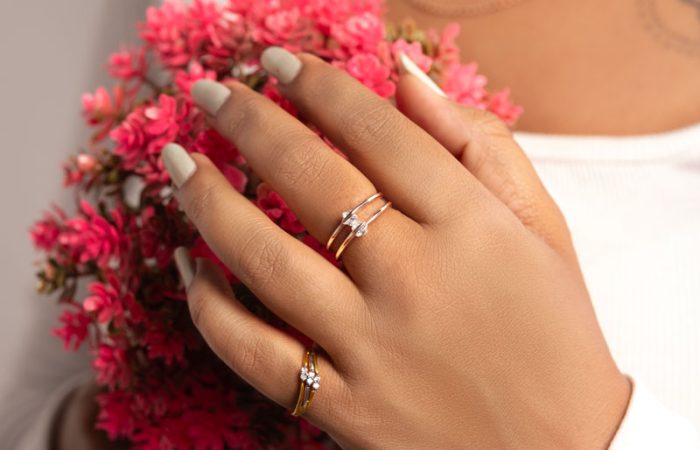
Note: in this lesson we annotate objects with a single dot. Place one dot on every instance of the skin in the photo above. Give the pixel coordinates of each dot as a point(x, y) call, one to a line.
point(463, 319)
point(581, 67)
point(595, 91)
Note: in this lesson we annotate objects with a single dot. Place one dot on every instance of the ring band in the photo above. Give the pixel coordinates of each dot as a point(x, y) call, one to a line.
point(361, 230)
point(310, 381)
point(358, 228)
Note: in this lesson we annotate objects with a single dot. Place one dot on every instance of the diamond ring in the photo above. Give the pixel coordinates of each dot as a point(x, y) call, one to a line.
point(310, 381)
point(358, 227)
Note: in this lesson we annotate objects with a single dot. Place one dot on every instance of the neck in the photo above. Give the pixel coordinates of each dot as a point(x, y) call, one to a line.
point(594, 67)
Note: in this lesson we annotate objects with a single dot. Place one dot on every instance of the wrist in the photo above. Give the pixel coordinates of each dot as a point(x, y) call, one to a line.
point(591, 419)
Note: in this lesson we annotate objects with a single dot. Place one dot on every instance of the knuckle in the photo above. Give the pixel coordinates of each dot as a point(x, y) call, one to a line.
point(244, 115)
point(301, 164)
point(201, 200)
point(252, 355)
point(491, 124)
point(369, 123)
point(261, 256)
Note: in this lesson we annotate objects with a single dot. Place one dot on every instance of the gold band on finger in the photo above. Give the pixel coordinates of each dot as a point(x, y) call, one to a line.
point(358, 227)
point(310, 381)
point(361, 230)
point(350, 219)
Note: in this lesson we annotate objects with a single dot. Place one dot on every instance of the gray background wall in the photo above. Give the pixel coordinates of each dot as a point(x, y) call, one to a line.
point(50, 52)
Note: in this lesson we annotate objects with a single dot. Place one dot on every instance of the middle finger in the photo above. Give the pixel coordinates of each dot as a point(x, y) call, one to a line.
point(316, 182)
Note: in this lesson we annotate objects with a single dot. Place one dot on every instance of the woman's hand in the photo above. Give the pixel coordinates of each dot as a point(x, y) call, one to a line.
point(463, 319)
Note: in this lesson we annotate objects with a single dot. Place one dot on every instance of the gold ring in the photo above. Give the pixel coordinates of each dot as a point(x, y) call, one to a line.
point(358, 227)
point(360, 230)
point(310, 381)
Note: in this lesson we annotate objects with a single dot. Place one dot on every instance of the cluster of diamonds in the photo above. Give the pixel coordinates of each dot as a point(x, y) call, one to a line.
point(356, 225)
point(311, 378)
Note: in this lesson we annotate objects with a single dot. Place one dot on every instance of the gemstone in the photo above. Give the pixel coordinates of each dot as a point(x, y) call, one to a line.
point(315, 385)
point(353, 221)
point(361, 230)
point(309, 381)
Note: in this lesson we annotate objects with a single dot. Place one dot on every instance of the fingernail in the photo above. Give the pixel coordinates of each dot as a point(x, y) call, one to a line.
point(409, 66)
point(178, 163)
point(209, 95)
point(184, 265)
point(281, 63)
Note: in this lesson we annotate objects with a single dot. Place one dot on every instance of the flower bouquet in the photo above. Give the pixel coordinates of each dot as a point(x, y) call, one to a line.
point(110, 263)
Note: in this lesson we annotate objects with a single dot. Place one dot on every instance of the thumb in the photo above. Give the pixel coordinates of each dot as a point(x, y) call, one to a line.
point(485, 146)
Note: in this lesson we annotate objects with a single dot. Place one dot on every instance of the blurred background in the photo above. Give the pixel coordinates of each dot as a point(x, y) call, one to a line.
point(52, 52)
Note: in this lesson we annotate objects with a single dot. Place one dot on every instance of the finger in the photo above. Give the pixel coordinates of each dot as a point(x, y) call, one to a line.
point(485, 146)
point(399, 157)
point(316, 182)
point(262, 355)
point(292, 279)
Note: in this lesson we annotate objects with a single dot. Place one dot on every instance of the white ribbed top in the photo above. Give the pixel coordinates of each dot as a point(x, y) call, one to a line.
point(633, 206)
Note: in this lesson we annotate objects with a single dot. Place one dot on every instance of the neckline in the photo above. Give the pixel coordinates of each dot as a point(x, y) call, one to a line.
point(641, 147)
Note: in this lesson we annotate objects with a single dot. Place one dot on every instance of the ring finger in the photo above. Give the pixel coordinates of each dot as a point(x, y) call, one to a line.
point(315, 181)
point(262, 355)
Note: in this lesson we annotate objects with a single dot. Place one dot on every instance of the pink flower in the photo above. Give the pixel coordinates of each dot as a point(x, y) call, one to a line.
point(195, 72)
point(359, 33)
point(182, 33)
point(77, 168)
point(276, 209)
point(160, 231)
point(92, 238)
point(45, 232)
point(100, 109)
point(327, 14)
point(208, 26)
point(162, 343)
point(286, 27)
point(107, 302)
point(217, 148)
point(447, 51)
point(462, 83)
point(99, 106)
point(414, 51)
point(85, 162)
point(116, 416)
point(112, 367)
point(144, 133)
point(501, 105)
point(372, 73)
point(224, 156)
point(128, 65)
point(165, 30)
point(73, 329)
point(235, 176)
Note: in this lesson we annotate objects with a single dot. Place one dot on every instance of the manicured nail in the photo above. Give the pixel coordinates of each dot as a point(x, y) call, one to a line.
point(184, 265)
point(178, 163)
point(209, 95)
point(409, 66)
point(281, 63)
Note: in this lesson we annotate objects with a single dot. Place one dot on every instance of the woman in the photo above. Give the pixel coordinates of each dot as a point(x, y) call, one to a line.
point(464, 320)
